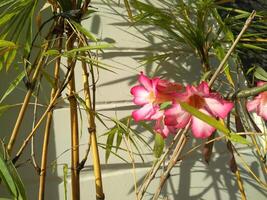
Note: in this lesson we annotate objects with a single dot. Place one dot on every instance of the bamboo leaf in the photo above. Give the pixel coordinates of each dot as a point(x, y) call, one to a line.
point(158, 145)
point(238, 139)
point(4, 108)
point(118, 139)
point(11, 55)
point(88, 48)
point(109, 142)
point(10, 176)
point(251, 46)
point(83, 30)
point(13, 85)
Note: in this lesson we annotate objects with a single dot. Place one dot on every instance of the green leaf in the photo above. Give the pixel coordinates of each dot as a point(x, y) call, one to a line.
point(13, 85)
point(118, 139)
point(260, 73)
point(251, 46)
point(83, 30)
point(238, 139)
point(5, 44)
point(10, 176)
point(165, 105)
point(206, 118)
point(158, 145)
point(4, 108)
point(88, 48)
point(109, 142)
point(10, 58)
point(52, 52)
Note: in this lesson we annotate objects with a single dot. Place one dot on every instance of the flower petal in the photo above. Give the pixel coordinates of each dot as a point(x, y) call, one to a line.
point(201, 129)
point(177, 117)
point(262, 110)
point(253, 104)
point(145, 81)
point(140, 95)
point(218, 107)
point(144, 113)
point(204, 88)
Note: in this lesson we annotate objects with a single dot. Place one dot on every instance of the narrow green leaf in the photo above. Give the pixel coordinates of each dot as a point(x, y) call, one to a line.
point(4, 108)
point(52, 52)
point(10, 58)
point(109, 142)
point(13, 85)
point(158, 145)
point(83, 30)
point(238, 139)
point(251, 46)
point(206, 118)
point(260, 73)
point(165, 105)
point(10, 176)
point(118, 139)
point(5, 44)
point(88, 48)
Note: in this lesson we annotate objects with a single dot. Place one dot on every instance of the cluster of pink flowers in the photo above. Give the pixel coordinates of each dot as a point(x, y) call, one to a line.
point(150, 94)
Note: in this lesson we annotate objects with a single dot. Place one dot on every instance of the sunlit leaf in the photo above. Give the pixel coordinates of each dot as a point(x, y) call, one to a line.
point(206, 118)
point(238, 139)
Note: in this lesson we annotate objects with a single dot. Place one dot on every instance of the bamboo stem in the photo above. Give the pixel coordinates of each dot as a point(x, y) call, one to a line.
point(75, 177)
point(26, 101)
point(92, 130)
point(47, 127)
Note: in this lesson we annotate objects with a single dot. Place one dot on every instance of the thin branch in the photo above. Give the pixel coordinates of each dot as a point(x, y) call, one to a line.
point(219, 69)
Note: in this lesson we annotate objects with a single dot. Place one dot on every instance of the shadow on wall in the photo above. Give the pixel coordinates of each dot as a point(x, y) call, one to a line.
point(194, 178)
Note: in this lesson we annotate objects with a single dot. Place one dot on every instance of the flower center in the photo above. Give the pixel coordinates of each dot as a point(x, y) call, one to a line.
point(196, 101)
point(151, 97)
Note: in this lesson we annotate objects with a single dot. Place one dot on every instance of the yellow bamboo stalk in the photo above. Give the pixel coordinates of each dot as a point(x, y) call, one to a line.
point(48, 126)
point(75, 178)
point(26, 101)
point(93, 139)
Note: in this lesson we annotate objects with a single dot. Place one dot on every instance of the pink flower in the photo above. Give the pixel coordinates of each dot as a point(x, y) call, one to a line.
point(259, 103)
point(150, 94)
point(161, 127)
point(202, 99)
